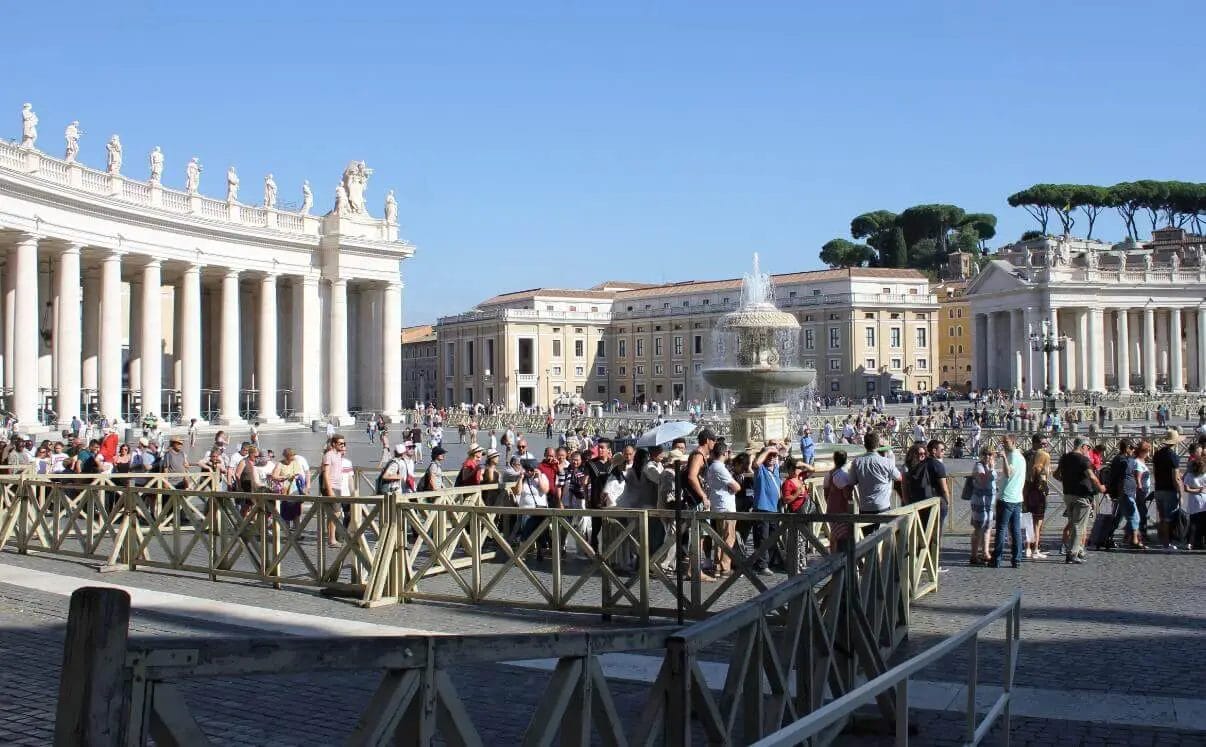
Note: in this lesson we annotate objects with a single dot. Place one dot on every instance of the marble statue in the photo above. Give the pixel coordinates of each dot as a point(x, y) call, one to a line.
point(192, 176)
point(355, 181)
point(72, 136)
point(1147, 262)
point(113, 153)
point(1052, 256)
point(1091, 259)
point(1027, 258)
point(391, 208)
point(341, 199)
point(29, 126)
point(232, 185)
point(1175, 261)
point(1201, 250)
point(1121, 254)
point(156, 165)
point(307, 198)
point(269, 192)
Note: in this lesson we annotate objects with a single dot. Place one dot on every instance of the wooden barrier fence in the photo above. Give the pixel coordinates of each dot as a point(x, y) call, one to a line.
point(817, 635)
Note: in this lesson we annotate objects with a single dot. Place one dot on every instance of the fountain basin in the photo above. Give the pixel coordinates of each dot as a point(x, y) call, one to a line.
point(756, 380)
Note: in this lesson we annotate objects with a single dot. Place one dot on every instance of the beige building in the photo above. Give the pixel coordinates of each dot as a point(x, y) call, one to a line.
point(419, 383)
point(865, 331)
point(954, 335)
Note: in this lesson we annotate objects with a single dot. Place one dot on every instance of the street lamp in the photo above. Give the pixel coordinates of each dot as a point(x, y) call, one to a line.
point(1048, 340)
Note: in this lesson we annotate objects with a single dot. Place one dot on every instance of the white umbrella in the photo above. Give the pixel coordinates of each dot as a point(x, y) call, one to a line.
point(666, 432)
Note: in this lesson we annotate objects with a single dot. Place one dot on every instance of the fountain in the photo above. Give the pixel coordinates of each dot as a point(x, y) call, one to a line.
point(755, 353)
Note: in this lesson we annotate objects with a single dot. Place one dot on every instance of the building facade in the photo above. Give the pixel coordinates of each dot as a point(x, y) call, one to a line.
point(123, 297)
point(865, 331)
point(419, 383)
point(955, 342)
point(1129, 317)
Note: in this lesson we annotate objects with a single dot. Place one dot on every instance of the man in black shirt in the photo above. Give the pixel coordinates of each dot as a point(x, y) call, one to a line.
point(597, 470)
point(1080, 485)
point(1166, 483)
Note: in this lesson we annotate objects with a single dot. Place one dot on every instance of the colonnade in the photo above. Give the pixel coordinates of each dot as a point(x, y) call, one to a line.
point(1128, 348)
point(244, 336)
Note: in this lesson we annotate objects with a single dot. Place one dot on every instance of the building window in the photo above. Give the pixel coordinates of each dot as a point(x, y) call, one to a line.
point(869, 364)
point(697, 345)
point(579, 371)
point(697, 368)
point(657, 389)
point(835, 364)
point(601, 389)
point(868, 316)
point(601, 349)
point(657, 346)
point(678, 369)
point(450, 361)
point(579, 348)
point(577, 330)
point(678, 344)
point(895, 364)
point(919, 317)
point(623, 370)
point(961, 350)
point(952, 349)
point(623, 348)
point(556, 370)
point(921, 337)
point(489, 356)
point(556, 348)
point(640, 370)
point(835, 386)
point(870, 386)
point(810, 363)
point(600, 370)
point(870, 337)
point(623, 389)
point(469, 359)
point(923, 364)
point(887, 291)
point(835, 338)
point(658, 370)
point(809, 342)
point(894, 337)
point(640, 351)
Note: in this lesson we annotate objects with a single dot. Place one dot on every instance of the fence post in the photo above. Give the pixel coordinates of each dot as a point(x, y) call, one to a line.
point(93, 692)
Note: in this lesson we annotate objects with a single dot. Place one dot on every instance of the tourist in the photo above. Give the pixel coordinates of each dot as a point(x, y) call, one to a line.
point(1135, 489)
point(284, 478)
point(766, 497)
point(875, 475)
point(491, 477)
point(471, 471)
point(939, 482)
point(216, 468)
point(1167, 483)
point(915, 482)
point(838, 491)
point(433, 478)
point(192, 433)
point(1195, 503)
point(1034, 491)
point(984, 495)
point(722, 493)
point(531, 491)
point(246, 477)
point(1009, 503)
point(808, 447)
point(331, 482)
point(1080, 484)
point(549, 466)
point(598, 468)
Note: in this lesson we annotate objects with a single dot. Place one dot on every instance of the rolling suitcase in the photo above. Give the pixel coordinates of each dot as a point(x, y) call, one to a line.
point(1101, 536)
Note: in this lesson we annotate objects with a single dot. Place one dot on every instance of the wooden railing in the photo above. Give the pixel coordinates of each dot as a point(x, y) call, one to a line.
point(815, 636)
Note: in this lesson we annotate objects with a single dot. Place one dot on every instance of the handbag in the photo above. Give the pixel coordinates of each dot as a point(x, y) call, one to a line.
point(613, 489)
point(969, 488)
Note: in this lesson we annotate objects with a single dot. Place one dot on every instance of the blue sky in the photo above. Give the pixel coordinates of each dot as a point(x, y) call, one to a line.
point(567, 143)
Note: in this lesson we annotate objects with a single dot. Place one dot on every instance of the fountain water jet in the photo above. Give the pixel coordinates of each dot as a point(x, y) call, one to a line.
point(755, 353)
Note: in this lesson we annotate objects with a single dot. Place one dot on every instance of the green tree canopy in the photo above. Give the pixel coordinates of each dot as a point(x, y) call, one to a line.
point(842, 253)
point(930, 222)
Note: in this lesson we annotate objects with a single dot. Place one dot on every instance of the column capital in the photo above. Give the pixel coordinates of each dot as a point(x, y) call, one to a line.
point(339, 281)
point(269, 277)
point(192, 268)
point(230, 272)
point(308, 279)
point(153, 262)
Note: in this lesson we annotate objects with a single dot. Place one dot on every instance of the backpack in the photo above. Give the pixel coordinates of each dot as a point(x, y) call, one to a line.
point(1114, 476)
point(386, 487)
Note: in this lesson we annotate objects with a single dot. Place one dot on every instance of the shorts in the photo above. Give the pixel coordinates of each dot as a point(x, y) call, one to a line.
point(981, 514)
point(1035, 501)
point(1128, 510)
point(1167, 503)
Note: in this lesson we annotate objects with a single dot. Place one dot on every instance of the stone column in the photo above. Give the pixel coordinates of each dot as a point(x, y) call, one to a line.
point(980, 347)
point(992, 346)
point(91, 319)
point(1123, 365)
point(1017, 346)
point(1053, 380)
point(108, 364)
point(228, 380)
point(307, 348)
point(337, 358)
point(1083, 343)
point(1034, 367)
point(1176, 379)
point(151, 337)
point(189, 344)
point(1095, 350)
point(1202, 349)
point(391, 342)
point(1149, 364)
point(23, 260)
point(266, 351)
point(133, 362)
point(67, 342)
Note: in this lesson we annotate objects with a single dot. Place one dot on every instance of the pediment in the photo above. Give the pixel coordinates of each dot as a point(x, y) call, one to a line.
point(998, 275)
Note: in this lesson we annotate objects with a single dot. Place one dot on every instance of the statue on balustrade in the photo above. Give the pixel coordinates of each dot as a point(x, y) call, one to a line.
point(270, 192)
point(307, 198)
point(156, 165)
point(113, 155)
point(1147, 261)
point(232, 185)
point(391, 208)
point(1174, 261)
point(355, 182)
point(192, 176)
point(1091, 259)
point(1027, 258)
point(1121, 254)
point(341, 200)
point(72, 136)
point(29, 126)
point(1201, 250)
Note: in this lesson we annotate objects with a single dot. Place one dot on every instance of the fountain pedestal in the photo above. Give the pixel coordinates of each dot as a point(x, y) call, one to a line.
point(754, 426)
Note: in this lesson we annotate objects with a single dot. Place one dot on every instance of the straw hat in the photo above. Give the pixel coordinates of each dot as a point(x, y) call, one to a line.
point(1172, 437)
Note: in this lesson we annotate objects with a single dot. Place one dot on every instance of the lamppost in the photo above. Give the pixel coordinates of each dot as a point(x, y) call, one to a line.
point(1047, 341)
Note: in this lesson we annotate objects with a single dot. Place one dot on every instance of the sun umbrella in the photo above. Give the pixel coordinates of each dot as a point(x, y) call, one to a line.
point(666, 432)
